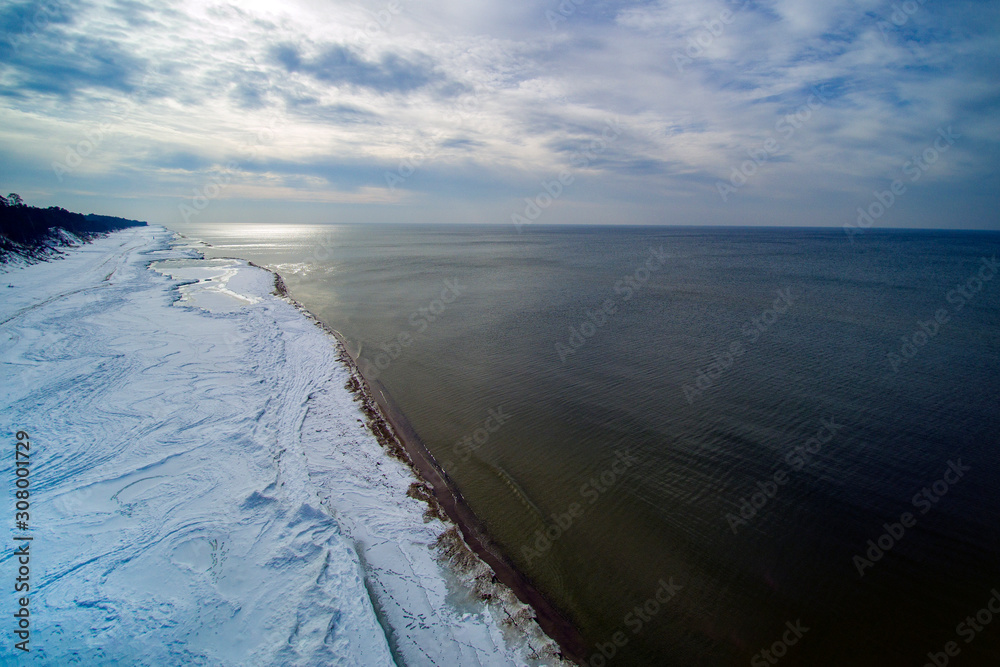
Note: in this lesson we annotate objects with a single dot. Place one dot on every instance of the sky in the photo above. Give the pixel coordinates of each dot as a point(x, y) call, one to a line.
point(689, 112)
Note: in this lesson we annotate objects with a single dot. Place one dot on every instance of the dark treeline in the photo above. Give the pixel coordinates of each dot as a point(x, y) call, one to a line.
point(33, 233)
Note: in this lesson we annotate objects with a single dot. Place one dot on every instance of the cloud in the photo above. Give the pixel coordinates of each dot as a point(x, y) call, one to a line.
point(461, 142)
point(22, 22)
point(341, 65)
point(61, 63)
point(482, 99)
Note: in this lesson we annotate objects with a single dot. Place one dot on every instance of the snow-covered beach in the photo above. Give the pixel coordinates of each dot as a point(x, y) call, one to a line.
point(205, 489)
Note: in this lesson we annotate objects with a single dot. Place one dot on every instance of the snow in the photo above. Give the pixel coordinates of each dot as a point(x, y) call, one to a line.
point(205, 490)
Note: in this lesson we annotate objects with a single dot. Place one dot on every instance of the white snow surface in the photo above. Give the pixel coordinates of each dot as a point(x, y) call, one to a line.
point(204, 490)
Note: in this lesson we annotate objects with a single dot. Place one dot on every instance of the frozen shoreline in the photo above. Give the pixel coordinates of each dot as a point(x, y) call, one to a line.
point(206, 488)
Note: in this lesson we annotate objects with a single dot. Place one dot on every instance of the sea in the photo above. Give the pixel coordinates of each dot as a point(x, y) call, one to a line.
point(703, 445)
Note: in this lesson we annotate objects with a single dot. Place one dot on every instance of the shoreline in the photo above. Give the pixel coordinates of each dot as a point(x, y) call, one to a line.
point(458, 512)
point(399, 439)
point(394, 432)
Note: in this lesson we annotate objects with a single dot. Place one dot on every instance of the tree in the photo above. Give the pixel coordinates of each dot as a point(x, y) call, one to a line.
point(14, 199)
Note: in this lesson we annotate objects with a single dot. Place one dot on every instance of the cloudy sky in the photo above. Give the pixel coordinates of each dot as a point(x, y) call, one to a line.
point(781, 112)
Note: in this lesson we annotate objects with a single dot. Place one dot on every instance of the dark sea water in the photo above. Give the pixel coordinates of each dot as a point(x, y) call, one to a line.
point(718, 418)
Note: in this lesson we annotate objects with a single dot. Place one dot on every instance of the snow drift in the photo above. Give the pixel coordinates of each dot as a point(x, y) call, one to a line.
point(205, 490)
